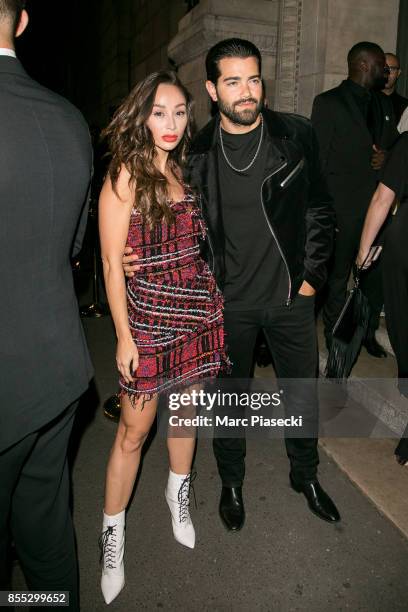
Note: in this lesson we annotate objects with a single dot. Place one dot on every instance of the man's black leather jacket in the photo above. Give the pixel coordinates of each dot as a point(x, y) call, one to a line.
point(294, 197)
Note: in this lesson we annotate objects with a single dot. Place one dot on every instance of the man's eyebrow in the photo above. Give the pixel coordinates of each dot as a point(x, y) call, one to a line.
point(237, 78)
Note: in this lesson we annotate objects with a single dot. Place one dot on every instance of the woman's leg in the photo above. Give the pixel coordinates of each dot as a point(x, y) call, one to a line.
point(181, 452)
point(134, 426)
point(181, 442)
point(124, 460)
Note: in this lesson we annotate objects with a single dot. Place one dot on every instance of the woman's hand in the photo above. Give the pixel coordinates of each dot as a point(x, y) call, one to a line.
point(362, 254)
point(128, 262)
point(127, 358)
point(366, 257)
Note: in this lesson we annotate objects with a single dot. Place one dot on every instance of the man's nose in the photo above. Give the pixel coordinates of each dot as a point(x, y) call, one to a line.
point(246, 90)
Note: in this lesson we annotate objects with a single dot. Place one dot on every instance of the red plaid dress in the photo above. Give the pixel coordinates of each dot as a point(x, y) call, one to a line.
point(174, 305)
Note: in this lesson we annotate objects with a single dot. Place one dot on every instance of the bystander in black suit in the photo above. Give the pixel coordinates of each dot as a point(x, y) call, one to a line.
point(45, 169)
point(355, 125)
point(399, 103)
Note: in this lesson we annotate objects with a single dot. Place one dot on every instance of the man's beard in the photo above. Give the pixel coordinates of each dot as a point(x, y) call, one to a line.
point(247, 116)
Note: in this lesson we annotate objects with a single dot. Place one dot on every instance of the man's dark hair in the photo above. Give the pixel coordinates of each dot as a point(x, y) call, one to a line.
point(361, 49)
point(12, 9)
point(231, 47)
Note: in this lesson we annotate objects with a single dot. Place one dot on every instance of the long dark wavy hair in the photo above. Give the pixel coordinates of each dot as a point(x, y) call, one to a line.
point(131, 144)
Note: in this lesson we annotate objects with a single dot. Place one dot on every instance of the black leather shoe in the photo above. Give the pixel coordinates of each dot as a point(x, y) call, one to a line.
point(318, 500)
point(374, 348)
point(231, 508)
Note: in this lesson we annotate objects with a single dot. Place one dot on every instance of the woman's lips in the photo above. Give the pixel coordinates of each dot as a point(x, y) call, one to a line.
point(170, 138)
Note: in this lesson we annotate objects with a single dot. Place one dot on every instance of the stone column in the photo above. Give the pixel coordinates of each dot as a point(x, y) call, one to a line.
point(287, 66)
point(213, 20)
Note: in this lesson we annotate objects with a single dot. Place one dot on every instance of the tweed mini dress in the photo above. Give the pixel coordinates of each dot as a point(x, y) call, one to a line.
point(175, 309)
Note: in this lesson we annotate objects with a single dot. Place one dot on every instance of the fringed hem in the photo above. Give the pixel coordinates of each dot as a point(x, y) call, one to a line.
point(172, 386)
point(135, 396)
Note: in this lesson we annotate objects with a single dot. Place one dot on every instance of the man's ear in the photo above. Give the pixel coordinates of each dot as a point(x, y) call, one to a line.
point(212, 91)
point(22, 23)
point(364, 66)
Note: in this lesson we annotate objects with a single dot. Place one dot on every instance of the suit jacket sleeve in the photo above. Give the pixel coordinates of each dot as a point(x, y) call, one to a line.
point(323, 124)
point(81, 227)
point(320, 221)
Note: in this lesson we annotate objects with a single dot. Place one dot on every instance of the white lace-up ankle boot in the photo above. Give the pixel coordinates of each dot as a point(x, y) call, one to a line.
point(112, 544)
point(178, 499)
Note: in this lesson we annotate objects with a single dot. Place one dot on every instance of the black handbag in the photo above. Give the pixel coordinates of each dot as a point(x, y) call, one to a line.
point(348, 332)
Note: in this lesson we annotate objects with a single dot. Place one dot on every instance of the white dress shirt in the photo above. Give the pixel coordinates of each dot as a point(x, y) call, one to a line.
point(9, 52)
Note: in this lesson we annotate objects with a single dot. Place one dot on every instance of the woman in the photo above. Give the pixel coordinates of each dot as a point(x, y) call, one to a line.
point(168, 319)
point(393, 184)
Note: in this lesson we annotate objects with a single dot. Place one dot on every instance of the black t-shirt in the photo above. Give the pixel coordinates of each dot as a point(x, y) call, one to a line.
point(256, 275)
point(395, 171)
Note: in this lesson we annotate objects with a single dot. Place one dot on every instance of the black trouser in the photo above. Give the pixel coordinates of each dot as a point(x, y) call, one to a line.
point(395, 275)
point(346, 245)
point(34, 509)
point(291, 336)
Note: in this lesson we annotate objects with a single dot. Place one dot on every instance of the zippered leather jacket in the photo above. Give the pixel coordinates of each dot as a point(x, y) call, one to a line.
point(293, 195)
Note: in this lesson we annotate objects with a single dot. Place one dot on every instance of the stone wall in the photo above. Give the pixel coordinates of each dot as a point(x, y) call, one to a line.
point(304, 44)
point(327, 30)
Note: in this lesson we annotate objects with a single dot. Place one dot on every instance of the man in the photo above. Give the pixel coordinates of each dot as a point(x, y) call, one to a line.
point(399, 103)
point(354, 126)
point(269, 227)
point(45, 171)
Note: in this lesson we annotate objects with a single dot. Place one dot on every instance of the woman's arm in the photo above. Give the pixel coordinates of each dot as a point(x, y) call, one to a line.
point(377, 213)
point(114, 216)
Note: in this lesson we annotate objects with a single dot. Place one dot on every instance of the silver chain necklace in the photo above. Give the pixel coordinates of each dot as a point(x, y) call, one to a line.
point(254, 157)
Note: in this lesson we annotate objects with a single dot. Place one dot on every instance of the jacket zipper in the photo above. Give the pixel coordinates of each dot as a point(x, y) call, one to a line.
point(291, 174)
point(280, 167)
point(209, 243)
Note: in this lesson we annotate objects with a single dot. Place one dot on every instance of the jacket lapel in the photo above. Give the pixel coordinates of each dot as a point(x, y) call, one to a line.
point(385, 129)
point(355, 113)
point(202, 176)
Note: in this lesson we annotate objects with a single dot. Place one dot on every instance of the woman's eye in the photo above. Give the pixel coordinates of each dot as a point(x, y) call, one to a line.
point(181, 113)
point(158, 114)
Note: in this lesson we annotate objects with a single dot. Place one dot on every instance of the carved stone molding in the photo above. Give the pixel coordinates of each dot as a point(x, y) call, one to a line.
point(287, 62)
point(214, 20)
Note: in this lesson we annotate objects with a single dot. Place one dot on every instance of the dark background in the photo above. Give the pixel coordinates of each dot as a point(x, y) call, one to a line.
point(48, 47)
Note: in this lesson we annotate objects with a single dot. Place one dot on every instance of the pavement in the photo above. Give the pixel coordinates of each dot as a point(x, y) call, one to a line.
point(285, 559)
